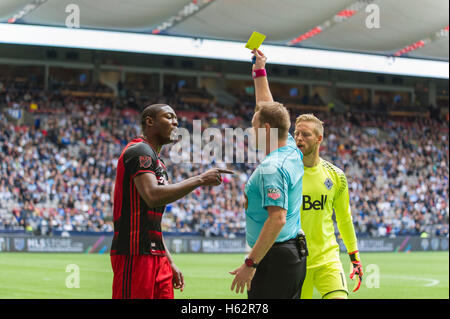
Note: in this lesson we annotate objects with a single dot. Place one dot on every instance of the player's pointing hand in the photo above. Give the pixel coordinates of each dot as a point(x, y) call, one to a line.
point(225, 171)
point(213, 176)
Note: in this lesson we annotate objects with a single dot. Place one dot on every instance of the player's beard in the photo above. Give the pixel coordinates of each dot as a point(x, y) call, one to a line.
point(310, 150)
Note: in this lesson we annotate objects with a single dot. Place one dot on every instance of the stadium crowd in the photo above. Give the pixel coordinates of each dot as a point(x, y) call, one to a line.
point(57, 173)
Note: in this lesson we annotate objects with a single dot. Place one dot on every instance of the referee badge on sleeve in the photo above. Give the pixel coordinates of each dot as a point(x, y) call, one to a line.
point(273, 193)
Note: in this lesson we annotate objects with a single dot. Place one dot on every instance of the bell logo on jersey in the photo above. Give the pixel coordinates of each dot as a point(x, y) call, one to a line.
point(316, 205)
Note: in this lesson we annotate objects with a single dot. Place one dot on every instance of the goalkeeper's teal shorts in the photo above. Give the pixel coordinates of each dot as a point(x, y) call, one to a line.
point(328, 279)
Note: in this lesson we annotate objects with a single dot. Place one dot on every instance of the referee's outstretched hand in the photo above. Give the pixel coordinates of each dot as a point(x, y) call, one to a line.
point(213, 176)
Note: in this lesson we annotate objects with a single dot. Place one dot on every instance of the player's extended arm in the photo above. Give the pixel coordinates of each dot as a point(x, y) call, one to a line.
point(341, 205)
point(262, 89)
point(271, 229)
point(159, 195)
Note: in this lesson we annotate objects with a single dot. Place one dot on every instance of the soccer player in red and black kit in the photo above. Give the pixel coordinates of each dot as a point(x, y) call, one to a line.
point(143, 267)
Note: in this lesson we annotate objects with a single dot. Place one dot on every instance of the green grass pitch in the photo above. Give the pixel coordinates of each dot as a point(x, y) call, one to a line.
point(44, 276)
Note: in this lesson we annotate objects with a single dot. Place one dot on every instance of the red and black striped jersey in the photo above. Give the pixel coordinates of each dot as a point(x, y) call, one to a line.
point(137, 227)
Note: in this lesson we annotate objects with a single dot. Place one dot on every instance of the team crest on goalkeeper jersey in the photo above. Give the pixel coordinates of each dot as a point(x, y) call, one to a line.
point(273, 193)
point(328, 183)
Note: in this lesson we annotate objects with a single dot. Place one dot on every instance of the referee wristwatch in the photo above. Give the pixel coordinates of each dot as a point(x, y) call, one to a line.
point(250, 263)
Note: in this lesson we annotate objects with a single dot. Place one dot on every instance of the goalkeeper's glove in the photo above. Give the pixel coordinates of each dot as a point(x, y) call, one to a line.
point(357, 269)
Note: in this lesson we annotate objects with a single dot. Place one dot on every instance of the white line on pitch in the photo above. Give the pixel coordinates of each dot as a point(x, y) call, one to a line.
point(431, 282)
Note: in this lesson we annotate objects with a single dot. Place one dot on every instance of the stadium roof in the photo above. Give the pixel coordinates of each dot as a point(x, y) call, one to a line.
point(414, 28)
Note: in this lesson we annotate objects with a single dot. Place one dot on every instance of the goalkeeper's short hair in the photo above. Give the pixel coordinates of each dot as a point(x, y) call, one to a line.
point(309, 117)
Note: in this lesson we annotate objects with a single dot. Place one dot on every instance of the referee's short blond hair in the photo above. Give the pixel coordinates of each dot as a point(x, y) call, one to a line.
point(309, 117)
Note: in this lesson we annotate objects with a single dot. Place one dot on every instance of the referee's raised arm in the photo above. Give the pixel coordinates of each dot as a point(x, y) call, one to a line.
point(259, 74)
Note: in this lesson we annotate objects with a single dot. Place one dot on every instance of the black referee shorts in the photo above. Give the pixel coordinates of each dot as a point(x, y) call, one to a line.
point(280, 274)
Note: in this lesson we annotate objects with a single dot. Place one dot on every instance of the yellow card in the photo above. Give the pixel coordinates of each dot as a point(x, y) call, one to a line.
point(256, 39)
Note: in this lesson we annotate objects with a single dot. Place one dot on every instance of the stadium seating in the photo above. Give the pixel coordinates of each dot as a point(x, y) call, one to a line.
point(57, 171)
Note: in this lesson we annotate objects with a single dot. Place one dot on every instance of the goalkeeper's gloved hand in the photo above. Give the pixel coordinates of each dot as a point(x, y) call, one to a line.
point(357, 269)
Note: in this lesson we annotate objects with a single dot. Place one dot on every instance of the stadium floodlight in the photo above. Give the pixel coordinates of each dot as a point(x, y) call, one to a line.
point(217, 49)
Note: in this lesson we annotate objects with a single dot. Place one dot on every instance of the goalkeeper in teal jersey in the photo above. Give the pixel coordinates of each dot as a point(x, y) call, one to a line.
point(324, 190)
